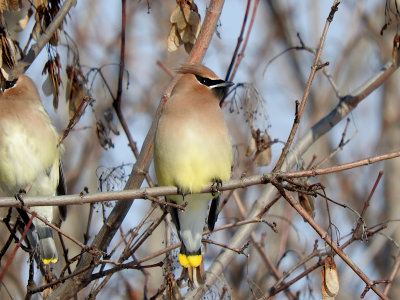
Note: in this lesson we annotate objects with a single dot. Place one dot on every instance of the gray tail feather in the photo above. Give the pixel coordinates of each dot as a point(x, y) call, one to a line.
point(47, 246)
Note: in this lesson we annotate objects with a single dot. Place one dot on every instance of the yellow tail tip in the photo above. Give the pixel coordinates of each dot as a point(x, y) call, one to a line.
point(49, 260)
point(190, 260)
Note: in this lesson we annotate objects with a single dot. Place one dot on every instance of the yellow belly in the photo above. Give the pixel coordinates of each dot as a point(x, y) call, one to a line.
point(191, 162)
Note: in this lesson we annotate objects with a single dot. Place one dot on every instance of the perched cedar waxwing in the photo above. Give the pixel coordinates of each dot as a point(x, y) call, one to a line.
point(192, 150)
point(29, 156)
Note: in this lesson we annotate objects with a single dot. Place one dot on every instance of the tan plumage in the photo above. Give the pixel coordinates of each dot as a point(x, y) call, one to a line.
point(192, 150)
point(29, 156)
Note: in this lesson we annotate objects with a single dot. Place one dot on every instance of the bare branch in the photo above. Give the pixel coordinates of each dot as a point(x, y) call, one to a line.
point(152, 193)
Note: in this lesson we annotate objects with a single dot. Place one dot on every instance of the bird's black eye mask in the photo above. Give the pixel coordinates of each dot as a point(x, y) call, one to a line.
point(207, 81)
point(10, 84)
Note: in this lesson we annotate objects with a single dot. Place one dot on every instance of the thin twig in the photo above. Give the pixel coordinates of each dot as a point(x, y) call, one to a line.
point(241, 54)
point(314, 69)
point(392, 275)
point(239, 42)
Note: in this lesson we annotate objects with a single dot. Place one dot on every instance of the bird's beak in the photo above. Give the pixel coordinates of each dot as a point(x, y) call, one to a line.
point(224, 84)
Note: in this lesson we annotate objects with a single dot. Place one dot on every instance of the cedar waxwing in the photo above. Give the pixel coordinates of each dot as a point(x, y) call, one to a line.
point(192, 150)
point(29, 156)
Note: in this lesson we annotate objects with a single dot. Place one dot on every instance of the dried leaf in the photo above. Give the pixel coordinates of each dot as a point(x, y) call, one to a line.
point(182, 20)
point(173, 41)
point(185, 26)
point(188, 47)
point(46, 10)
point(251, 147)
point(47, 87)
point(104, 127)
point(176, 13)
point(331, 277)
point(261, 145)
point(10, 5)
point(7, 49)
point(264, 145)
point(75, 90)
point(10, 54)
point(187, 36)
point(325, 295)
point(308, 203)
point(194, 18)
point(51, 85)
point(263, 158)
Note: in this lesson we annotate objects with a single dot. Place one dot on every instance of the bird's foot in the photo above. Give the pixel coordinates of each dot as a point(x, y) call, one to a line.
point(197, 275)
point(18, 196)
point(216, 186)
point(181, 192)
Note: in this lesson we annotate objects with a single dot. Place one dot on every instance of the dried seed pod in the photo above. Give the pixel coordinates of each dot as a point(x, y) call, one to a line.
point(10, 5)
point(10, 53)
point(325, 295)
point(75, 90)
point(45, 12)
point(173, 41)
point(308, 203)
point(330, 279)
point(251, 147)
point(51, 86)
point(261, 145)
point(104, 127)
point(264, 150)
point(185, 26)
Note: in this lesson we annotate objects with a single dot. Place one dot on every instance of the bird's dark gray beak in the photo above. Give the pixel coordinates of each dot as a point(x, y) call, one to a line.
point(224, 84)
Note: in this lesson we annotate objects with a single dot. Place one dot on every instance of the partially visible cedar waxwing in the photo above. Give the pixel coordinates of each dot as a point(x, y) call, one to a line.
point(192, 150)
point(29, 156)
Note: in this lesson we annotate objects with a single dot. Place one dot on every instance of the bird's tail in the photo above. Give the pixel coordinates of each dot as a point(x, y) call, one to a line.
point(46, 245)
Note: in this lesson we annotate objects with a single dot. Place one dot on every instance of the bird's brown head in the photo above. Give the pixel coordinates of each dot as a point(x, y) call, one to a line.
point(202, 78)
point(24, 89)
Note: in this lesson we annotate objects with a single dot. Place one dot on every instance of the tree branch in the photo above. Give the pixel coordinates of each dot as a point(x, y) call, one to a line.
point(152, 193)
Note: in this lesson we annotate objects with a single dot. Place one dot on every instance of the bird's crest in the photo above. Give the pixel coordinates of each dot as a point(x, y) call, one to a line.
point(197, 70)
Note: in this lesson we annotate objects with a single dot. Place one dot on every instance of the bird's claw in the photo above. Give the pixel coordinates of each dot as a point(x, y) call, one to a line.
point(180, 191)
point(18, 196)
point(216, 186)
